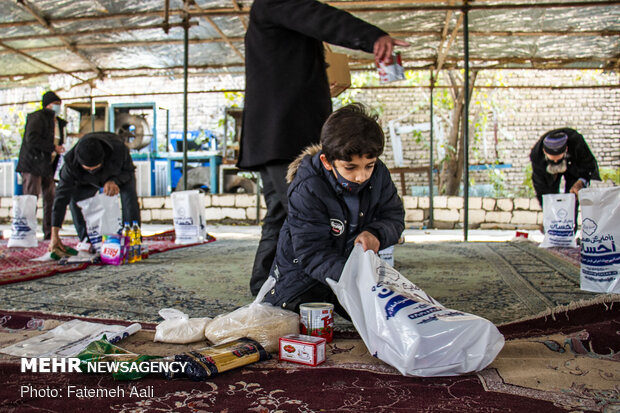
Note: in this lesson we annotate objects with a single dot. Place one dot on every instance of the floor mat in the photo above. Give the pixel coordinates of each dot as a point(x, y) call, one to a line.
point(16, 265)
point(501, 281)
point(563, 360)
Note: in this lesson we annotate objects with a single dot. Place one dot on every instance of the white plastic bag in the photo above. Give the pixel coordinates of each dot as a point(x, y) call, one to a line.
point(387, 255)
point(559, 221)
point(178, 328)
point(600, 229)
point(259, 321)
point(23, 228)
point(102, 215)
point(403, 326)
point(69, 339)
point(188, 217)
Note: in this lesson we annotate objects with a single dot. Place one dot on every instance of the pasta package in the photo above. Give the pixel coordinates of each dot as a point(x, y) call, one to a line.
point(204, 363)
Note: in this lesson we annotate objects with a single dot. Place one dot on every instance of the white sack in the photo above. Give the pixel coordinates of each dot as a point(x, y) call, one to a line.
point(559, 221)
point(600, 229)
point(178, 328)
point(24, 225)
point(103, 216)
point(259, 321)
point(188, 216)
point(403, 326)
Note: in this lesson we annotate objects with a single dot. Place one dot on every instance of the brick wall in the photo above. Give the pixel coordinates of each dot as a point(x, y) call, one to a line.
point(485, 213)
point(520, 114)
point(517, 117)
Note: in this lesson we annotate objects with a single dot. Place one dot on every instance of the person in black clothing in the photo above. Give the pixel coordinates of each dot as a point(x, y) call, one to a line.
point(340, 194)
point(38, 156)
point(562, 153)
point(287, 95)
point(98, 160)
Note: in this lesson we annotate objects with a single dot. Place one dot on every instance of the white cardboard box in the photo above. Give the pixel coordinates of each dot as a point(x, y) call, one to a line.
point(302, 349)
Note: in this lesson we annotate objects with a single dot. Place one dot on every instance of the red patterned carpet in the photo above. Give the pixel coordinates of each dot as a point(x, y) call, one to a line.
point(572, 255)
point(15, 264)
point(564, 361)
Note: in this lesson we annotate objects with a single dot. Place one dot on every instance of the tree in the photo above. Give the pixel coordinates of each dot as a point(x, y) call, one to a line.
point(451, 172)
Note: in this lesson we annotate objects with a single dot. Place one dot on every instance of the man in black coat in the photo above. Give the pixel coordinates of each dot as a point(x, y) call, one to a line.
point(39, 154)
point(562, 152)
point(98, 160)
point(287, 96)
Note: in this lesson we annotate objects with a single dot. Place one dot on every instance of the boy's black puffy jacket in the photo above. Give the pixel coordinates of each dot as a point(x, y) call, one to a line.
point(313, 240)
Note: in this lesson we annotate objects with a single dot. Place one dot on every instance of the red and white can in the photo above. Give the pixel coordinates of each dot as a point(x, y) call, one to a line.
point(317, 319)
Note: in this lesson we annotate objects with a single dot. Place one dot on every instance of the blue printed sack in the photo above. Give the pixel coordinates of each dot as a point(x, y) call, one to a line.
point(406, 328)
point(600, 239)
point(24, 225)
point(188, 216)
point(559, 221)
point(102, 215)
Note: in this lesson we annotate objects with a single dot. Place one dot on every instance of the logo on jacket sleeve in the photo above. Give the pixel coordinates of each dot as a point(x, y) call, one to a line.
point(337, 227)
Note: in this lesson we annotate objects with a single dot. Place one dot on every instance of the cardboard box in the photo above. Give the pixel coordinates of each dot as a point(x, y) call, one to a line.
point(302, 349)
point(338, 74)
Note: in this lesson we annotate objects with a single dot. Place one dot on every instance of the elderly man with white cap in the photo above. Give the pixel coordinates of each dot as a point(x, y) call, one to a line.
point(562, 152)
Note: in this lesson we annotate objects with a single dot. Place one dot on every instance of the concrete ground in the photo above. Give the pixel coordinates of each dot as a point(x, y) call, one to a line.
point(253, 232)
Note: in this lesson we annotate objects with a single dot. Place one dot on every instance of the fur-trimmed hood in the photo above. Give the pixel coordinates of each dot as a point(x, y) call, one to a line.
point(294, 166)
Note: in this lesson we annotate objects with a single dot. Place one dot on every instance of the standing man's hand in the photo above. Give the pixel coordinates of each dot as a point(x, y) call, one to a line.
point(384, 46)
point(368, 241)
point(577, 186)
point(59, 149)
point(110, 188)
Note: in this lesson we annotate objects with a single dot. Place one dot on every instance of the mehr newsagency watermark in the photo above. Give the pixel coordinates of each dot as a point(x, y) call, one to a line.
point(75, 365)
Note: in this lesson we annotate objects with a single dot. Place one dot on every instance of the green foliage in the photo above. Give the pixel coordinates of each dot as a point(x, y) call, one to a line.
point(442, 100)
point(526, 190)
point(12, 130)
point(235, 99)
point(497, 178)
point(610, 174)
point(358, 80)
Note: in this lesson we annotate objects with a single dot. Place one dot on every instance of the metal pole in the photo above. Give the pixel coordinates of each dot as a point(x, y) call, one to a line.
point(466, 124)
point(167, 130)
point(185, 64)
point(93, 112)
point(430, 174)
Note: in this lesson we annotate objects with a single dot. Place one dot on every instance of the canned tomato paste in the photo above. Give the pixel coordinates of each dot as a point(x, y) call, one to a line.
point(317, 319)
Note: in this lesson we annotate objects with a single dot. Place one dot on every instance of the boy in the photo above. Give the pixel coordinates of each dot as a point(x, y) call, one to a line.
point(340, 194)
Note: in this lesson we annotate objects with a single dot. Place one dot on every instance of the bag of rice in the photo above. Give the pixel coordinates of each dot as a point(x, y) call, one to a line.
point(259, 321)
point(178, 328)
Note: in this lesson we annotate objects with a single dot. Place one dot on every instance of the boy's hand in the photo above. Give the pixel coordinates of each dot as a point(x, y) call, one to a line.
point(368, 241)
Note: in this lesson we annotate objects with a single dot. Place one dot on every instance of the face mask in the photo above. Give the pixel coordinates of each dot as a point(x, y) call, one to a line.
point(93, 171)
point(352, 187)
point(56, 109)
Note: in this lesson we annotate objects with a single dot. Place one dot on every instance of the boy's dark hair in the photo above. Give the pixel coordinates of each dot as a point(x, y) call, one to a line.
point(351, 130)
